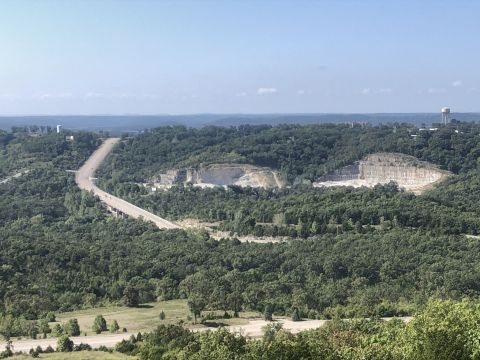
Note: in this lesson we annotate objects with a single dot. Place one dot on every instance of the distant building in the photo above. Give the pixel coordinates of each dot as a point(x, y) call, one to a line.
point(59, 129)
point(69, 138)
point(445, 115)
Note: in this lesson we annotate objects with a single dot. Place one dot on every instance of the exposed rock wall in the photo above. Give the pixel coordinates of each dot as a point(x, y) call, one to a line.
point(220, 175)
point(381, 168)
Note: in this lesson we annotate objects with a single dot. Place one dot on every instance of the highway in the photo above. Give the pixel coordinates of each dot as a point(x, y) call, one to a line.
point(84, 179)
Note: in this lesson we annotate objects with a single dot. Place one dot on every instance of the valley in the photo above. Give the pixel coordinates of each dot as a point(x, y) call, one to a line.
point(243, 245)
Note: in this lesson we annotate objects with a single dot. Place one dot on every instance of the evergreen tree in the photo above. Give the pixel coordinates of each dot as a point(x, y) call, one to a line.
point(268, 313)
point(99, 324)
point(296, 315)
point(131, 296)
point(57, 330)
point(64, 344)
point(72, 328)
point(43, 327)
point(114, 326)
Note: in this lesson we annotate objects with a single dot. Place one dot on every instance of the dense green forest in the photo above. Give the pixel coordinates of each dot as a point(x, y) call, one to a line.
point(303, 153)
point(444, 330)
point(61, 251)
point(304, 211)
point(298, 151)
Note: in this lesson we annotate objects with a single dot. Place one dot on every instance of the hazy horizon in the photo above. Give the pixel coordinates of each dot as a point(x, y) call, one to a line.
point(230, 57)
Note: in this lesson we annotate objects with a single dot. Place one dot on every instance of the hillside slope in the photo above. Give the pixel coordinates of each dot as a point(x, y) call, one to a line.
point(219, 175)
point(380, 168)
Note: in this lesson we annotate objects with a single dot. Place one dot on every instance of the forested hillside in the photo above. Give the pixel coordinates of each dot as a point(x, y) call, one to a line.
point(303, 153)
point(61, 251)
point(298, 151)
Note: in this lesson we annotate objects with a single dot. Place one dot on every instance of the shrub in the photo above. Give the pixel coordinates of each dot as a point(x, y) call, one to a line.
point(270, 330)
point(57, 330)
point(99, 324)
point(125, 347)
point(103, 348)
point(268, 313)
point(50, 316)
point(82, 347)
point(114, 326)
point(72, 328)
point(64, 344)
point(296, 315)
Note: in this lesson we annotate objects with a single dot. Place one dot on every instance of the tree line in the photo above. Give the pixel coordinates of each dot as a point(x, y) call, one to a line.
point(302, 211)
point(61, 251)
point(443, 330)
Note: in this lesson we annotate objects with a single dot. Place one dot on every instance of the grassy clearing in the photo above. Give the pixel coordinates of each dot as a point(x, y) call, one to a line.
point(144, 318)
point(81, 355)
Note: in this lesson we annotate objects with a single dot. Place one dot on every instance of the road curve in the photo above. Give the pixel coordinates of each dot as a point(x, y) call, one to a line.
point(84, 180)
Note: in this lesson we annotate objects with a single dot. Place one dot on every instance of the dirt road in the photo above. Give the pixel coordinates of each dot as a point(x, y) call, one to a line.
point(17, 175)
point(84, 180)
point(94, 341)
point(253, 329)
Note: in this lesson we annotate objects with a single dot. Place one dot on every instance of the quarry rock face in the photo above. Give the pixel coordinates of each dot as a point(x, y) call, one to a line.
point(407, 171)
point(220, 175)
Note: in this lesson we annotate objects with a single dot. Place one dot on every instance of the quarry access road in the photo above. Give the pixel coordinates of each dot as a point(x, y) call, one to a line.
point(15, 176)
point(84, 179)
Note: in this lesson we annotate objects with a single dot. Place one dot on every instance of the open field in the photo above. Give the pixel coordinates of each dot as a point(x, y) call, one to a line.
point(144, 318)
point(81, 355)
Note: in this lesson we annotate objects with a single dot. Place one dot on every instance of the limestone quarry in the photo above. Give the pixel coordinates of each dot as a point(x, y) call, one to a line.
point(407, 171)
point(219, 175)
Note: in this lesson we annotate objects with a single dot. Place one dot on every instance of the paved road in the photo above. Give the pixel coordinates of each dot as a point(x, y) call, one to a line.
point(84, 180)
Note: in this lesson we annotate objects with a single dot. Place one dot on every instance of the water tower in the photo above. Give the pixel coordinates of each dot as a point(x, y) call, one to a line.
point(445, 115)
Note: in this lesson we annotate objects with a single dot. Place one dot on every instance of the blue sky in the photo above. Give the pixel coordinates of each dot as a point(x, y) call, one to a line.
point(251, 56)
